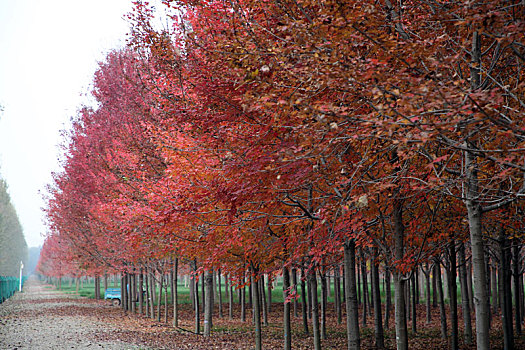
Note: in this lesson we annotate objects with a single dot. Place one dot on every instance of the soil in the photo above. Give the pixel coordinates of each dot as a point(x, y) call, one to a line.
point(43, 318)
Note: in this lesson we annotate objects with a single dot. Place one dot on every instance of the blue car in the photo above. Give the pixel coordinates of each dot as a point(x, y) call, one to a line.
point(114, 295)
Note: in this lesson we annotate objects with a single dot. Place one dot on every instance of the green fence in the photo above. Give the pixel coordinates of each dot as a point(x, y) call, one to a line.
point(8, 287)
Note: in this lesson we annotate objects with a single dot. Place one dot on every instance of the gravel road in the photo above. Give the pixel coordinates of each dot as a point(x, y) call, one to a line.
point(42, 318)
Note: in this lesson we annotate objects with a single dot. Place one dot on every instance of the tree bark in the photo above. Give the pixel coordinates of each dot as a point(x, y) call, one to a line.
point(269, 302)
point(208, 306)
point(148, 298)
point(376, 298)
point(230, 299)
point(469, 285)
point(516, 279)
point(242, 301)
point(505, 291)
point(166, 301)
point(364, 287)
point(453, 297)
point(304, 308)
point(203, 292)
point(287, 313)
point(175, 292)
point(399, 282)
point(196, 297)
point(133, 290)
point(312, 285)
point(324, 302)
point(220, 291)
point(434, 291)
point(97, 288)
point(414, 302)
point(442, 313)
point(256, 312)
point(262, 301)
point(465, 303)
point(295, 301)
point(474, 220)
point(159, 299)
point(388, 292)
point(427, 294)
point(140, 294)
point(337, 295)
point(350, 287)
point(124, 292)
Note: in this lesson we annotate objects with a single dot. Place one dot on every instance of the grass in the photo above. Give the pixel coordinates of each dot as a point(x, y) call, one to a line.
point(88, 290)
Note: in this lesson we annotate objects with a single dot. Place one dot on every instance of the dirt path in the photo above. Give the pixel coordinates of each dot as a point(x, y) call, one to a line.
point(42, 318)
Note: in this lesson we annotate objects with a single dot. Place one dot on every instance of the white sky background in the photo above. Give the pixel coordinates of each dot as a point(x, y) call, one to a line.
point(49, 50)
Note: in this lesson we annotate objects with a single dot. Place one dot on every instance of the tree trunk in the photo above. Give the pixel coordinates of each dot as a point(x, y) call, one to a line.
point(192, 289)
point(256, 312)
point(153, 292)
point(312, 285)
point(434, 290)
point(264, 309)
point(309, 298)
point(441, 300)
point(505, 291)
point(295, 301)
point(124, 292)
point(388, 292)
point(522, 296)
point(365, 288)
point(442, 313)
point(166, 301)
point(230, 299)
point(337, 295)
point(453, 297)
point(141, 295)
point(324, 302)
point(465, 304)
point(359, 284)
point(159, 299)
point(304, 308)
point(203, 293)
point(196, 297)
point(134, 295)
point(148, 298)
point(208, 306)
point(491, 271)
point(242, 297)
point(287, 314)
point(175, 292)
point(487, 284)
point(220, 292)
point(427, 294)
point(172, 287)
point(469, 285)
point(97, 288)
point(269, 302)
point(399, 282)
point(350, 287)
point(474, 220)
point(376, 299)
point(516, 279)
point(414, 302)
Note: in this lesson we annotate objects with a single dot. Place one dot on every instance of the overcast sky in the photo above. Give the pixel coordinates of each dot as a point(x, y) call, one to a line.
point(49, 50)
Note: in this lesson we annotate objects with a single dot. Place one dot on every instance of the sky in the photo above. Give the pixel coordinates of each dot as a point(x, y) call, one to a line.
point(49, 51)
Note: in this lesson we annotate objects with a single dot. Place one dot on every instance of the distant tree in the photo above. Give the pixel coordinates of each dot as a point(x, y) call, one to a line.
point(13, 247)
